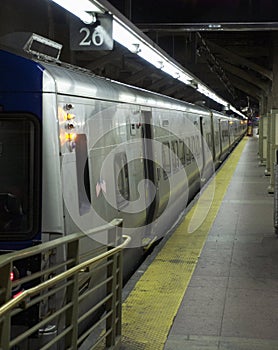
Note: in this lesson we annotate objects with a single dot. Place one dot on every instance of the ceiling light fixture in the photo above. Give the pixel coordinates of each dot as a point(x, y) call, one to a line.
point(135, 43)
point(80, 8)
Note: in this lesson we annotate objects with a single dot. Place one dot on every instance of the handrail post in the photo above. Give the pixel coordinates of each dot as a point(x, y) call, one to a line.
point(119, 296)
point(114, 237)
point(5, 323)
point(119, 284)
point(72, 297)
point(111, 304)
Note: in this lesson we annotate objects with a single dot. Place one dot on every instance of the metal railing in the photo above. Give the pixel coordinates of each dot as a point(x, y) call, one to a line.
point(73, 301)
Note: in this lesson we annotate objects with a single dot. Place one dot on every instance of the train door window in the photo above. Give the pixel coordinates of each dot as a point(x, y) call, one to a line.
point(216, 138)
point(82, 172)
point(175, 160)
point(181, 152)
point(166, 160)
point(122, 179)
point(197, 145)
point(20, 161)
point(224, 135)
point(208, 139)
point(193, 148)
point(188, 150)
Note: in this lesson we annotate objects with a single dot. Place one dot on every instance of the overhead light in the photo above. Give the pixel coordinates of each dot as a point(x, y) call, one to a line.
point(185, 78)
point(151, 56)
point(237, 112)
point(135, 43)
point(244, 109)
point(209, 93)
point(170, 69)
point(124, 37)
point(80, 8)
point(137, 48)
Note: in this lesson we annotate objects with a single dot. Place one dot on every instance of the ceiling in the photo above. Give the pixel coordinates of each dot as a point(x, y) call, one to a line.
point(233, 59)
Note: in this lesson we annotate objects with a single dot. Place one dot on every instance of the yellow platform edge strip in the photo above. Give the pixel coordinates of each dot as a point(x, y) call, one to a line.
point(149, 310)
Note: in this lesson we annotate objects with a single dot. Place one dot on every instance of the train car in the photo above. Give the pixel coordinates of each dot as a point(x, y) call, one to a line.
point(77, 150)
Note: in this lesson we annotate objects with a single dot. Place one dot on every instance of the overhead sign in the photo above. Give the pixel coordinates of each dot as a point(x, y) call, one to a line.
point(95, 36)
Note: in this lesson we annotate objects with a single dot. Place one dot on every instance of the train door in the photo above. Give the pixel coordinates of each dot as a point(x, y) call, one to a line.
point(214, 141)
point(220, 136)
point(207, 143)
point(150, 167)
point(229, 133)
point(202, 143)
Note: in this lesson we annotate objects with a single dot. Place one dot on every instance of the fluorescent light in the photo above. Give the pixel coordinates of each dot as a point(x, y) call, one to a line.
point(79, 8)
point(138, 45)
point(205, 91)
point(134, 44)
point(237, 112)
point(209, 93)
point(151, 56)
point(185, 78)
point(124, 37)
point(170, 69)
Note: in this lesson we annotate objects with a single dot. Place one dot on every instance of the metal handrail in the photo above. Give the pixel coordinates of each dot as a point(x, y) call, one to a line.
point(46, 284)
point(67, 281)
point(27, 252)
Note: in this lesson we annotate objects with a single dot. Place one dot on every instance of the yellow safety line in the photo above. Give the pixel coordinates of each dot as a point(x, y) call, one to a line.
point(149, 310)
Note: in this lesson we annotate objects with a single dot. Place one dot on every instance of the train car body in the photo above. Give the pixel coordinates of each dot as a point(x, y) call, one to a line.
point(78, 150)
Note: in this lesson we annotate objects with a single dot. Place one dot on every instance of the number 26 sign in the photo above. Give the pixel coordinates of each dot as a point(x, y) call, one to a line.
point(95, 36)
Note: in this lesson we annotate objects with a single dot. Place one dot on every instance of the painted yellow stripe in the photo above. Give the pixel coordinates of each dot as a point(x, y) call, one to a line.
point(149, 310)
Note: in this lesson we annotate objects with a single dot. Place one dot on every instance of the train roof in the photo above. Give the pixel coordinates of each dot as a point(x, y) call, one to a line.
point(71, 81)
point(20, 72)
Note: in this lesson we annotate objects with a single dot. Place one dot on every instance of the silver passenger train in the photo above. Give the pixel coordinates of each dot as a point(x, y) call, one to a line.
point(77, 150)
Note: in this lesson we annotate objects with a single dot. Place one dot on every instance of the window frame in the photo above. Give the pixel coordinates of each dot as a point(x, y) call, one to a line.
point(34, 168)
point(122, 192)
point(166, 159)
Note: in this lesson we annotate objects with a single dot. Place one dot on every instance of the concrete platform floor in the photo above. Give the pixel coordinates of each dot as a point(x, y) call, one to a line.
point(231, 302)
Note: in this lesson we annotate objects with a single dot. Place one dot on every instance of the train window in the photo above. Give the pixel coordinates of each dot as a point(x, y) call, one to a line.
point(82, 172)
point(193, 147)
point(216, 138)
point(208, 139)
point(166, 160)
point(175, 160)
point(181, 152)
point(188, 150)
point(197, 145)
point(225, 135)
point(122, 179)
point(19, 176)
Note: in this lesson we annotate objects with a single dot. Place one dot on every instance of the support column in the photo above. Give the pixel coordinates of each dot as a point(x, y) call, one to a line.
point(274, 147)
point(273, 144)
point(263, 131)
point(268, 137)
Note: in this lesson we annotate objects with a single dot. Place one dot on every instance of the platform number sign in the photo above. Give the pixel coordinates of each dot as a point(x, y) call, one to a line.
point(95, 36)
